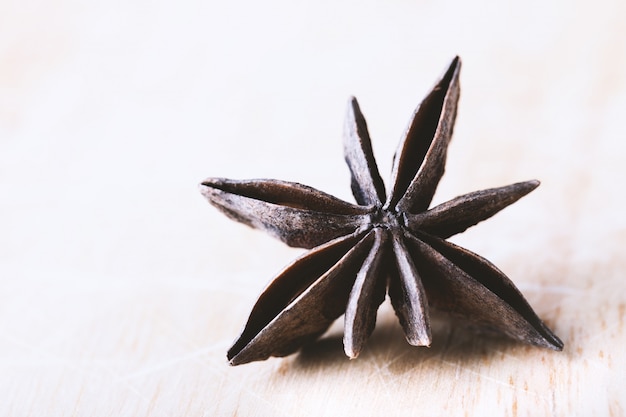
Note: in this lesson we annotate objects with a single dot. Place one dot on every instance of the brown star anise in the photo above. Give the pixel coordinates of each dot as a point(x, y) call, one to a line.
point(391, 244)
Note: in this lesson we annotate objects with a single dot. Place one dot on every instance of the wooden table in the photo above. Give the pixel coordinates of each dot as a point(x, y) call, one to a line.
point(121, 289)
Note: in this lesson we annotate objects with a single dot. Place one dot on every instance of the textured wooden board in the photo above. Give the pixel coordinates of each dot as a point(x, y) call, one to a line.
point(121, 289)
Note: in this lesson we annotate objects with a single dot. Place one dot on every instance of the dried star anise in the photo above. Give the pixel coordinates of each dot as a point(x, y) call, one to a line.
point(391, 244)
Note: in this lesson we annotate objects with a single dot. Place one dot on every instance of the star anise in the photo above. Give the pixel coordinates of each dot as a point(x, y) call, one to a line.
point(386, 244)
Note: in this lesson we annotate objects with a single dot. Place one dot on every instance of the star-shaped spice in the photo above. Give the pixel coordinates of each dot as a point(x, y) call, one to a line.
point(386, 244)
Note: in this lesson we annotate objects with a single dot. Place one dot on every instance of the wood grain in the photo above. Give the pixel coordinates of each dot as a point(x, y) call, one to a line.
point(121, 290)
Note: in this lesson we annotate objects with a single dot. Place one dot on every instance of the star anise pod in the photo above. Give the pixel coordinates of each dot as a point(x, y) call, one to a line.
point(386, 244)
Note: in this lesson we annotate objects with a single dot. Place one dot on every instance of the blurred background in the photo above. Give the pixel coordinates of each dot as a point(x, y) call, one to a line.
point(121, 289)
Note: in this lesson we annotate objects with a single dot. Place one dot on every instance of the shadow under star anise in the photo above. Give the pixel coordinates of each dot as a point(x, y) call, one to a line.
point(453, 340)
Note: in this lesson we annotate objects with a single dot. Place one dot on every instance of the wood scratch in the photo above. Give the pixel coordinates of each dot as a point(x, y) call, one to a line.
point(496, 381)
point(170, 362)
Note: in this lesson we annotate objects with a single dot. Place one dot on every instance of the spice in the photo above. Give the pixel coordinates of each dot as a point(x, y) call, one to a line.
point(385, 244)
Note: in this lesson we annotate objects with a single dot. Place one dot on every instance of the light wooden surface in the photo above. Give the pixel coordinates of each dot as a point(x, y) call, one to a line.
point(121, 289)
